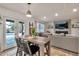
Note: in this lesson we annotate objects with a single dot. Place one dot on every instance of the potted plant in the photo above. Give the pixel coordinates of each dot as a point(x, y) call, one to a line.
point(33, 32)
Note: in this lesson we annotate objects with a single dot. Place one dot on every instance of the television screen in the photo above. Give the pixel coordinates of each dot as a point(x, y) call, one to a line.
point(61, 25)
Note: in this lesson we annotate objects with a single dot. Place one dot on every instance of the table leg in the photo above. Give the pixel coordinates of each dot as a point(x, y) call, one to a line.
point(41, 50)
point(49, 48)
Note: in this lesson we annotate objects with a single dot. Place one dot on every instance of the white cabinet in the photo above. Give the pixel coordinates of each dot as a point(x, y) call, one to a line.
point(56, 41)
point(66, 42)
point(78, 46)
point(70, 43)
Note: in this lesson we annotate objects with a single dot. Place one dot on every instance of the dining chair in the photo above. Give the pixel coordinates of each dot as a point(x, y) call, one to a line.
point(19, 46)
point(30, 49)
point(26, 47)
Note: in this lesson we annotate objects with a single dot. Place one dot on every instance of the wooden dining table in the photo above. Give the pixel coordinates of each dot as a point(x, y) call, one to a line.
point(41, 42)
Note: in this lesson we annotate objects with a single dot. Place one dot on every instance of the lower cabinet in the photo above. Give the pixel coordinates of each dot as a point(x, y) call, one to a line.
point(66, 42)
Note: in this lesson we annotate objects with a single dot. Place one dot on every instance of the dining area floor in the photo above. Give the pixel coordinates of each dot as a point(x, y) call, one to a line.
point(54, 52)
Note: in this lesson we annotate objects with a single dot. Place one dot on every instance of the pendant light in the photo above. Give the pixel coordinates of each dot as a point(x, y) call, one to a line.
point(28, 14)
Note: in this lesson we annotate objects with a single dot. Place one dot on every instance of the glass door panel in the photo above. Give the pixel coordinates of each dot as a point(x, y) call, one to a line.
point(21, 28)
point(10, 35)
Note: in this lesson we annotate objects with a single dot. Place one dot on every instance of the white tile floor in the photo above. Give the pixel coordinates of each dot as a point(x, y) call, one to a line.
point(54, 52)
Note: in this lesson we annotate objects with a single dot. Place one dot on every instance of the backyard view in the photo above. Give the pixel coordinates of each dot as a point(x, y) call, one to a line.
point(10, 35)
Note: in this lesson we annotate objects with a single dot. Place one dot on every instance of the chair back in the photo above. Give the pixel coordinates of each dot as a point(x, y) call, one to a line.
point(24, 45)
point(18, 42)
point(27, 48)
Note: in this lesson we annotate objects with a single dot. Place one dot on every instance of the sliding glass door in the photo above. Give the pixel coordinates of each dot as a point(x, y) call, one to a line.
point(10, 35)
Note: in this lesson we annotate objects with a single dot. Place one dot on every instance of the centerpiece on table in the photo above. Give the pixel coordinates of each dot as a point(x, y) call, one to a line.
point(33, 32)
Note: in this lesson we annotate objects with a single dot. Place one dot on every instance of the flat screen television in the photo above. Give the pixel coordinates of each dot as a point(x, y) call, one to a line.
point(61, 24)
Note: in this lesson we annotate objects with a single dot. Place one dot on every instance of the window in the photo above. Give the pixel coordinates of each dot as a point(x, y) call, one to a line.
point(40, 27)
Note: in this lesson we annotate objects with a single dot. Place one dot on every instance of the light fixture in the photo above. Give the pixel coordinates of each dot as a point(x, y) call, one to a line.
point(29, 14)
point(56, 14)
point(44, 17)
point(74, 10)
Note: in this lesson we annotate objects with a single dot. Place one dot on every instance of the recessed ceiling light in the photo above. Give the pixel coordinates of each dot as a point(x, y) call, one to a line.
point(56, 14)
point(44, 17)
point(74, 10)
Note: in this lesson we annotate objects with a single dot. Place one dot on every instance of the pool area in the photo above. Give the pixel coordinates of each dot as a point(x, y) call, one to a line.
point(10, 40)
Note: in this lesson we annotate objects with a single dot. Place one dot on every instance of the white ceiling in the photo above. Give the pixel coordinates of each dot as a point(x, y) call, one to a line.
point(39, 10)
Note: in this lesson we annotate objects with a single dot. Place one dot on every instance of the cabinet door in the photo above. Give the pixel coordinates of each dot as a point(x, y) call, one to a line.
point(69, 43)
point(56, 41)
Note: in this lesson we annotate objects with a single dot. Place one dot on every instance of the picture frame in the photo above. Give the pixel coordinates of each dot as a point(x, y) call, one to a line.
point(75, 25)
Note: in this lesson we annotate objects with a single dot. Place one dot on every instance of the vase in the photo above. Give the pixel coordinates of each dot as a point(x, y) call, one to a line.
point(33, 36)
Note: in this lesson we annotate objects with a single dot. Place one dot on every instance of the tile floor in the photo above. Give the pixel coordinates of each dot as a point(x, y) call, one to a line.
point(54, 52)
